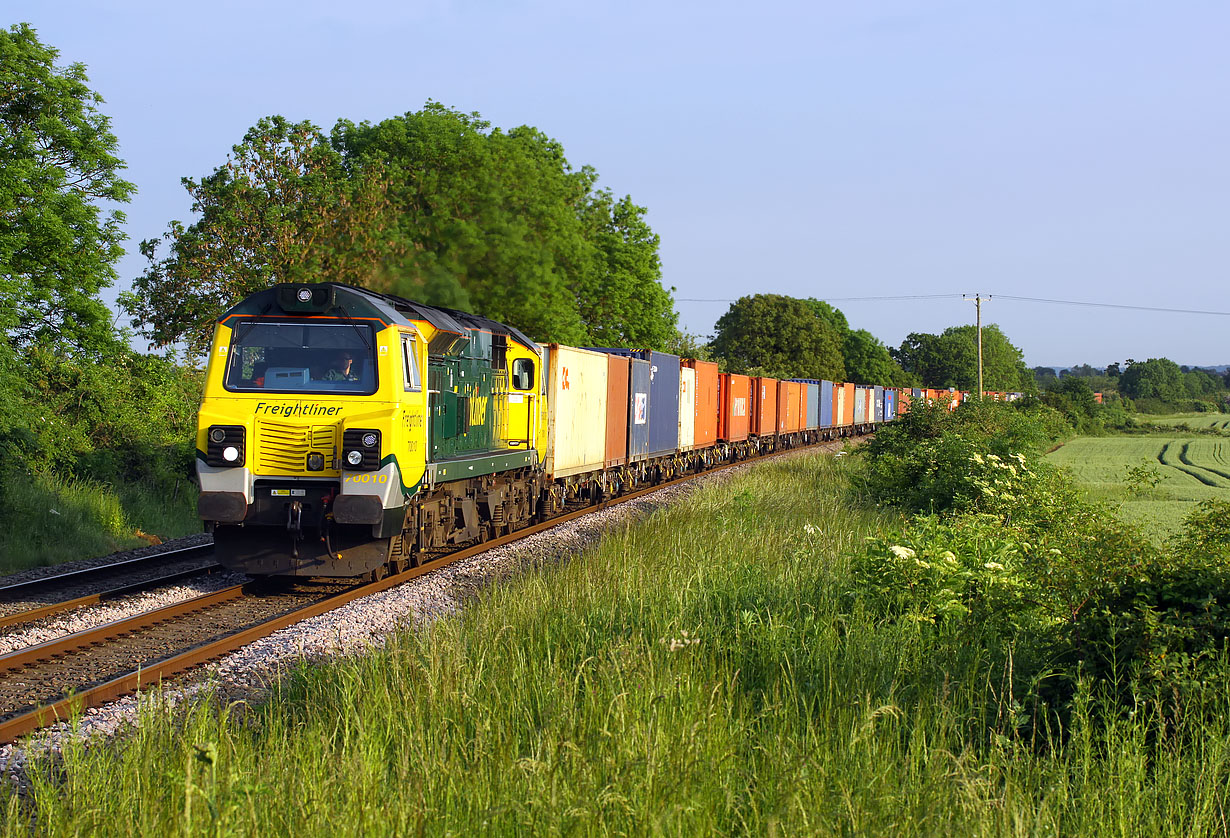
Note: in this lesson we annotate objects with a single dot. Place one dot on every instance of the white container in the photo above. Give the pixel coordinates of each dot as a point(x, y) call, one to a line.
point(687, 408)
point(576, 418)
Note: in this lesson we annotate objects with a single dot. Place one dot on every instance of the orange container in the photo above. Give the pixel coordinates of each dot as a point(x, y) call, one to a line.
point(847, 413)
point(764, 406)
point(903, 401)
point(706, 402)
point(736, 399)
point(787, 408)
point(618, 374)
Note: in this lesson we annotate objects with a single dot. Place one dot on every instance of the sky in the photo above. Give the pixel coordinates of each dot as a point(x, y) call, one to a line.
point(1075, 150)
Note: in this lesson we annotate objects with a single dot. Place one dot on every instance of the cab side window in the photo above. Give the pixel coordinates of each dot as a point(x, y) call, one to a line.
point(523, 374)
point(410, 362)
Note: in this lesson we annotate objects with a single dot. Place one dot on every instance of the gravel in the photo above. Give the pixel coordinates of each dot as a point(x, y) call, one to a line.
point(247, 673)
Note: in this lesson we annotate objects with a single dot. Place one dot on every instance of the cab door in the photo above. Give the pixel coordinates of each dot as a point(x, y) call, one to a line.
point(523, 403)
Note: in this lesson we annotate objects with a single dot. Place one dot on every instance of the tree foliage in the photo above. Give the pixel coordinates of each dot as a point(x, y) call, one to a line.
point(783, 337)
point(950, 359)
point(433, 205)
point(1156, 378)
point(57, 245)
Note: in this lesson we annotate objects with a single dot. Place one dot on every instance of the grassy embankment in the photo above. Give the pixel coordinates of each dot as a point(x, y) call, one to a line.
point(52, 519)
point(709, 670)
point(1191, 470)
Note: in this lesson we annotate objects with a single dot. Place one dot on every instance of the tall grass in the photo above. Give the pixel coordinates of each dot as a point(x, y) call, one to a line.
point(49, 519)
point(708, 670)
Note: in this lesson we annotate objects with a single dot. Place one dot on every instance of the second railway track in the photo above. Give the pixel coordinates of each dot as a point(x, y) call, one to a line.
point(36, 599)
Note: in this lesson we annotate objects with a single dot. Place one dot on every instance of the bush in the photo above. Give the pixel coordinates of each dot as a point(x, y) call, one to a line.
point(123, 426)
point(1056, 586)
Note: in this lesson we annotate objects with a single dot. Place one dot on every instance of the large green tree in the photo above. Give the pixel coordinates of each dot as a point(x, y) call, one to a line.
point(1156, 378)
point(58, 171)
point(950, 359)
point(783, 337)
point(434, 205)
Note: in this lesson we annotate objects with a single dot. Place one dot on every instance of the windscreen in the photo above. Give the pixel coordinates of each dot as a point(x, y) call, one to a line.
point(302, 358)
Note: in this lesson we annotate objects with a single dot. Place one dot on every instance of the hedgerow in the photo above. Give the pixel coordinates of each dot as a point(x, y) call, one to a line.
point(1004, 548)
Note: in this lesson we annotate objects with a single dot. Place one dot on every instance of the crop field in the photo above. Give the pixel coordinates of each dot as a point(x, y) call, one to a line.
point(1190, 470)
point(1195, 421)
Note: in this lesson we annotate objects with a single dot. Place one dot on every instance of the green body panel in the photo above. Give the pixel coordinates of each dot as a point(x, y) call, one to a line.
point(467, 406)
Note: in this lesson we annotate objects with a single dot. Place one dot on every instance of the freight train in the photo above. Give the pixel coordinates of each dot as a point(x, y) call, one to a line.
point(345, 433)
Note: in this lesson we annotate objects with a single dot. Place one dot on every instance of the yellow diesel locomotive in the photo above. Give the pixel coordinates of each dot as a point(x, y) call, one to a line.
point(348, 433)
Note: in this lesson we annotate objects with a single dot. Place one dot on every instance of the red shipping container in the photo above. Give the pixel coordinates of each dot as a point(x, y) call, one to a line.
point(618, 374)
point(736, 395)
point(903, 401)
point(706, 402)
point(764, 406)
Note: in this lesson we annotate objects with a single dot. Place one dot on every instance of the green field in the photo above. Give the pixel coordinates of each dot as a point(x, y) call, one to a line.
point(1191, 470)
point(1195, 421)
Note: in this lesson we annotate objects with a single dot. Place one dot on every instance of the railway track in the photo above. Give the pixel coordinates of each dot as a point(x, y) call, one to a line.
point(38, 599)
point(43, 684)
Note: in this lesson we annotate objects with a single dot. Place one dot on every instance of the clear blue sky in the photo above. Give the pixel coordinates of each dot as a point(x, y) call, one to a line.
point(1065, 150)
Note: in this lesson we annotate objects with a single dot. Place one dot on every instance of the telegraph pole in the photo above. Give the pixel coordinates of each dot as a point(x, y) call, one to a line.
point(978, 298)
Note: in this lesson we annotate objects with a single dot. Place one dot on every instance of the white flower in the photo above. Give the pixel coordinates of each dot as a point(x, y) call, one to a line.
point(977, 458)
point(811, 529)
point(1020, 458)
point(993, 566)
point(948, 556)
point(921, 563)
point(901, 552)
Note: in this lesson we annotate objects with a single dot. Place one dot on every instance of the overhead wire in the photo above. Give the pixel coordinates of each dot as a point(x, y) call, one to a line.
point(1044, 300)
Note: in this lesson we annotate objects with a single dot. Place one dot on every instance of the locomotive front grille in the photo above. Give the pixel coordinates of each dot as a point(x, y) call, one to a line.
point(283, 449)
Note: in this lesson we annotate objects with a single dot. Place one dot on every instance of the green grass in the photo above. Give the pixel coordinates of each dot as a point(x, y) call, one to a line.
point(707, 670)
point(1192, 470)
point(1194, 421)
point(48, 520)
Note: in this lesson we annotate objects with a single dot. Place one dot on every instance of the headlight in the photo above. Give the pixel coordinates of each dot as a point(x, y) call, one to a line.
point(224, 445)
point(362, 447)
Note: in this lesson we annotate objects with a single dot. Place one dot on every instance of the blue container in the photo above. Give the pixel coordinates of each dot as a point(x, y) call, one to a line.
point(663, 401)
point(890, 405)
point(916, 393)
point(826, 404)
point(663, 407)
point(878, 412)
point(638, 411)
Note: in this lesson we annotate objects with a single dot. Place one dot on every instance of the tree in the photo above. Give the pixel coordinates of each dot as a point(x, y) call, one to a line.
point(1156, 378)
point(622, 301)
point(284, 207)
point(778, 336)
point(868, 362)
point(57, 246)
point(951, 359)
point(433, 205)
